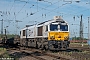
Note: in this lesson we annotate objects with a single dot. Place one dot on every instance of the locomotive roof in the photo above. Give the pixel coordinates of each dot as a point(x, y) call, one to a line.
point(53, 20)
point(56, 19)
point(44, 22)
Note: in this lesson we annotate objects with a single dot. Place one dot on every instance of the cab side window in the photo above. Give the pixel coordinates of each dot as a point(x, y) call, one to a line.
point(46, 27)
point(23, 32)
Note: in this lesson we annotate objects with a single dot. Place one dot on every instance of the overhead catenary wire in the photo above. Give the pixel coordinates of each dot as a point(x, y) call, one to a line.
point(63, 4)
point(15, 15)
point(7, 13)
point(20, 10)
point(46, 9)
point(12, 5)
point(41, 9)
point(65, 14)
point(48, 12)
point(55, 8)
point(50, 5)
point(4, 15)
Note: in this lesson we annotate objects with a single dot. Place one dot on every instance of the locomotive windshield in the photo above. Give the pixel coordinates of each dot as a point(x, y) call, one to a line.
point(56, 27)
point(64, 27)
point(53, 27)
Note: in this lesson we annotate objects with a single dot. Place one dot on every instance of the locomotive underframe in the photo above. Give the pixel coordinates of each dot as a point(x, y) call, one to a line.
point(58, 45)
point(44, 43)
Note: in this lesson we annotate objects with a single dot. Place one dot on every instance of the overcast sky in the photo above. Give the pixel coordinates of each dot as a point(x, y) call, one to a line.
point(28, 11)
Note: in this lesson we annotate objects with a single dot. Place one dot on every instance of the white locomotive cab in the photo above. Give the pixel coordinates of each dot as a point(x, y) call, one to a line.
point(31, 32)
point(45, 31)
point(28, 32)
point(23, 33)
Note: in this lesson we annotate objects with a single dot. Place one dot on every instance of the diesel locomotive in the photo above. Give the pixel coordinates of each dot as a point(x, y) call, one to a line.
point(52, 34)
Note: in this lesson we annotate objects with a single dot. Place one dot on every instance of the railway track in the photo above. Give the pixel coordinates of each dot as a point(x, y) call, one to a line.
point(54, 57)
point(37, 54)
point(34, 55)
point(40, 54)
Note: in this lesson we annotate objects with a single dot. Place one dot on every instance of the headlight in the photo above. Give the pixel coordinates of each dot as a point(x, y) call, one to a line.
point(52, 37)
point(66, 37)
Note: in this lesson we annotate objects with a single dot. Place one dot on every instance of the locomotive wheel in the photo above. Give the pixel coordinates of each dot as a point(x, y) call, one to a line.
point(36, 45)
point(41, 47)
point(46, 47)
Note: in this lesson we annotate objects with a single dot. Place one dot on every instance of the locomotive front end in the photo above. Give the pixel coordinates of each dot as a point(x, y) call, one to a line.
point(52, 34)
point(58, 35)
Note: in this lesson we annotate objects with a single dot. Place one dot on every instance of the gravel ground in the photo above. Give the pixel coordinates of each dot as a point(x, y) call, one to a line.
point(75, 52)
point(27, 58)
